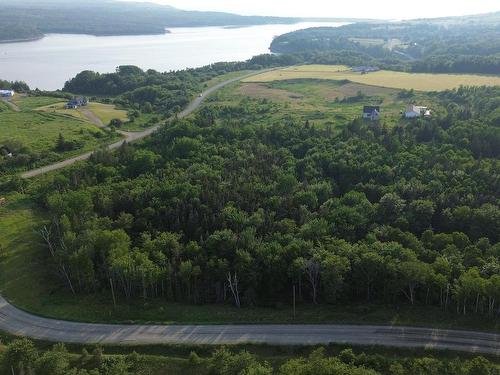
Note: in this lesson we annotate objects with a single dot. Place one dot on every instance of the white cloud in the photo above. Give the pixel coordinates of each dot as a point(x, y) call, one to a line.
point(386, 9)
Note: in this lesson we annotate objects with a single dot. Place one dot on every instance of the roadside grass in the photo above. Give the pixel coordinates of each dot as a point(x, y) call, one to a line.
point(384, 78)
point(224, 77)
point(22, 265)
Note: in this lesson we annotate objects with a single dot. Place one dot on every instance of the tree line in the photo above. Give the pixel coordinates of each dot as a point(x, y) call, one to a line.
point(420, 46)
point(22, 357)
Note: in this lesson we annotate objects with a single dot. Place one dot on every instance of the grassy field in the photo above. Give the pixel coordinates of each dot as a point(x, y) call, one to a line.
point(39, 130)
point(33, 102)
point(390, 79)
point(21, 266)
point(105, 112)
point(321, 102)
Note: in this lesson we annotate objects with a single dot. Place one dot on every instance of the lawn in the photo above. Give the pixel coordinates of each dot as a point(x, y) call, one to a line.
point(104, 112)
point(107, 112)
point(38, 130)
point(59, 109)
point(384, 78)
point(32, 102)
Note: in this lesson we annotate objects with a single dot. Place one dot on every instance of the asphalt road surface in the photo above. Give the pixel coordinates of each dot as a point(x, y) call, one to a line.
point(17, 322)
point(135, 136)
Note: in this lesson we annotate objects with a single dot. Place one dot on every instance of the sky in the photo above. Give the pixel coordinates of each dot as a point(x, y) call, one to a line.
point(384, 9)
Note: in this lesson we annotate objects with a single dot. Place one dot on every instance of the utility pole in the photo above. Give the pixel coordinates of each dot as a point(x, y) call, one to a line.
point(294, 301)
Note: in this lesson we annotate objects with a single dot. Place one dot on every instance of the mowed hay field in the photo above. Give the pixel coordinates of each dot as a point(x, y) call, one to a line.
point(383, 78)
point(105, 112)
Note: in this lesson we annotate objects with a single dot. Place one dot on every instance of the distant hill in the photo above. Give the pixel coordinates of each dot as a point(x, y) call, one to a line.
point(31, 19)
point(476, 19)
point(468, 44)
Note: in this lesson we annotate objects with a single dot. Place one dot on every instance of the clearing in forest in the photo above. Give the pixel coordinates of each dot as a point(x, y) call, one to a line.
point(383, 78)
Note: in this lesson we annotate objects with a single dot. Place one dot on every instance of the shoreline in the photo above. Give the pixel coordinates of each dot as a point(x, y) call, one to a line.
point(22, 40)
point(34, 39)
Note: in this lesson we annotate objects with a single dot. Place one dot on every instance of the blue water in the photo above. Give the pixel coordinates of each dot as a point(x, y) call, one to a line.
point(49, 62)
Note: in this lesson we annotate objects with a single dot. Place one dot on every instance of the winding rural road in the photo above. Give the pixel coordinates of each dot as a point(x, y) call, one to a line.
point(17, 322)
point(135, 136)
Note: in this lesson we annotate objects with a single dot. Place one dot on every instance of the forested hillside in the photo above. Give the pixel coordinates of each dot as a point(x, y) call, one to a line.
point(420, 46)
point(27, 19)
point(217, 209)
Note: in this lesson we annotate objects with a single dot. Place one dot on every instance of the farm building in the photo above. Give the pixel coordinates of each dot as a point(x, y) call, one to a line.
point(414, 111)
point(7, 93)
point(371, 112)
point(76, 102)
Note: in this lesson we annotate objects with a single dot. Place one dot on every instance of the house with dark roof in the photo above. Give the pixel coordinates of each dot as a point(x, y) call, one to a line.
point(6, 93)
point(371, 112)
point(76, 102)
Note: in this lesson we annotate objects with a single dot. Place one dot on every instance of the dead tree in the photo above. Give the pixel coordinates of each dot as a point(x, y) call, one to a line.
point(46, 234)
point(312, 268)
point(233, 285)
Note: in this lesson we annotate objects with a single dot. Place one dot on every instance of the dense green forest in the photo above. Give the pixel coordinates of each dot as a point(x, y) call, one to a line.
point(412, 46)
point(21, 356)
point(217, 209)
point(27, 19)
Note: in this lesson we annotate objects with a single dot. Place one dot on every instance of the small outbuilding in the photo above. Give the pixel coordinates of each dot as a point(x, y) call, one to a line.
point(365, 69)
point(371, 112)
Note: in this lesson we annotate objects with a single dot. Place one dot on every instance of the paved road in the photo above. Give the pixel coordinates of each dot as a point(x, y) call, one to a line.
point(20, 323)
point(134, 136)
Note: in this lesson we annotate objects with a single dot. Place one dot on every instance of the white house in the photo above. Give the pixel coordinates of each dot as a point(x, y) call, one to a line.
point(413, 111)
point(7, 93)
